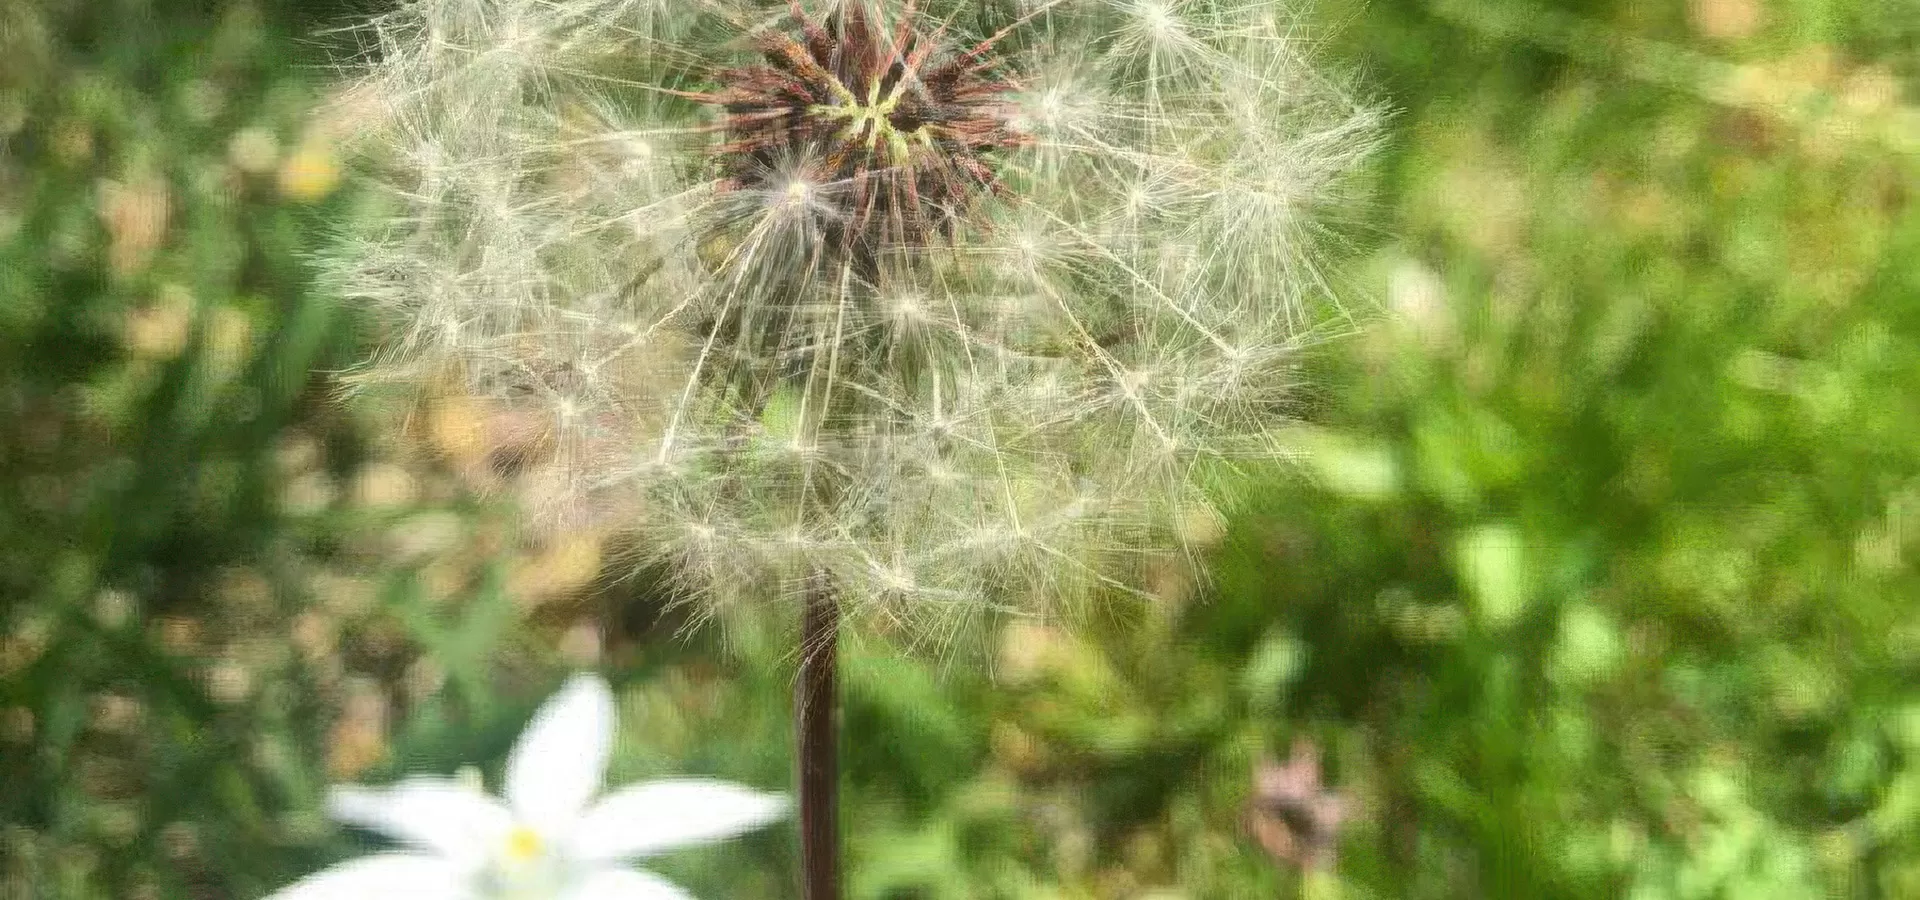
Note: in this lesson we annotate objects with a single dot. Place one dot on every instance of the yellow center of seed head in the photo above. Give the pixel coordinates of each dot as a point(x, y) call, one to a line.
point(523, 845)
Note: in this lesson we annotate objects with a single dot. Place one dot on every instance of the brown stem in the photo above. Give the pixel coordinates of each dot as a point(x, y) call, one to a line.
point(816, 731)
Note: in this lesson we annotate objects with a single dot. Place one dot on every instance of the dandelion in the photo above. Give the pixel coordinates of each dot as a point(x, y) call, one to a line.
point(907, 312)
point(550, 839)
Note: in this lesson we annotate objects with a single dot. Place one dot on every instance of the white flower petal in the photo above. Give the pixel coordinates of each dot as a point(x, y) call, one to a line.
point(625, 884)
point(445, 816)
point(658, 815)
point(557, 765)
point(386, 876)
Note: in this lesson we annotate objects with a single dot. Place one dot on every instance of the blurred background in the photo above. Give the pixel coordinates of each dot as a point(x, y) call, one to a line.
point(1593, 576)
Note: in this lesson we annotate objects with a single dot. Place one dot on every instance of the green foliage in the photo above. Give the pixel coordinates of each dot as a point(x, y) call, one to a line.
point(184, 599)
point(156, 346)
point(1592, 578)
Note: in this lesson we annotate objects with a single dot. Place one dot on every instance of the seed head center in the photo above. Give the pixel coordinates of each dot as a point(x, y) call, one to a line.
point(905, 126)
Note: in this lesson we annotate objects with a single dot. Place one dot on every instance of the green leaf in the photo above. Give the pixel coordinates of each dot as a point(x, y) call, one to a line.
point(1493, 565)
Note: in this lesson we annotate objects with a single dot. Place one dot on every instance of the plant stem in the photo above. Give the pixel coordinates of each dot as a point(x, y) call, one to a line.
point(816, 733)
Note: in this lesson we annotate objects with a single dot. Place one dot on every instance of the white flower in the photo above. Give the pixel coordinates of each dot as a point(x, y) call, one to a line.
point(550, 839)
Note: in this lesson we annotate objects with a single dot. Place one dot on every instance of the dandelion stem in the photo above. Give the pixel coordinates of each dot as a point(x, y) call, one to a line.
point(816, 731)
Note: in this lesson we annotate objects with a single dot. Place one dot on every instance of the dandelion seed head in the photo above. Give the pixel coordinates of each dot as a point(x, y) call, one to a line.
point(946, 300)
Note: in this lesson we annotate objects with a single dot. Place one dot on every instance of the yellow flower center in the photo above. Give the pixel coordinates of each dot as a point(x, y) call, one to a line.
point(523, 845)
